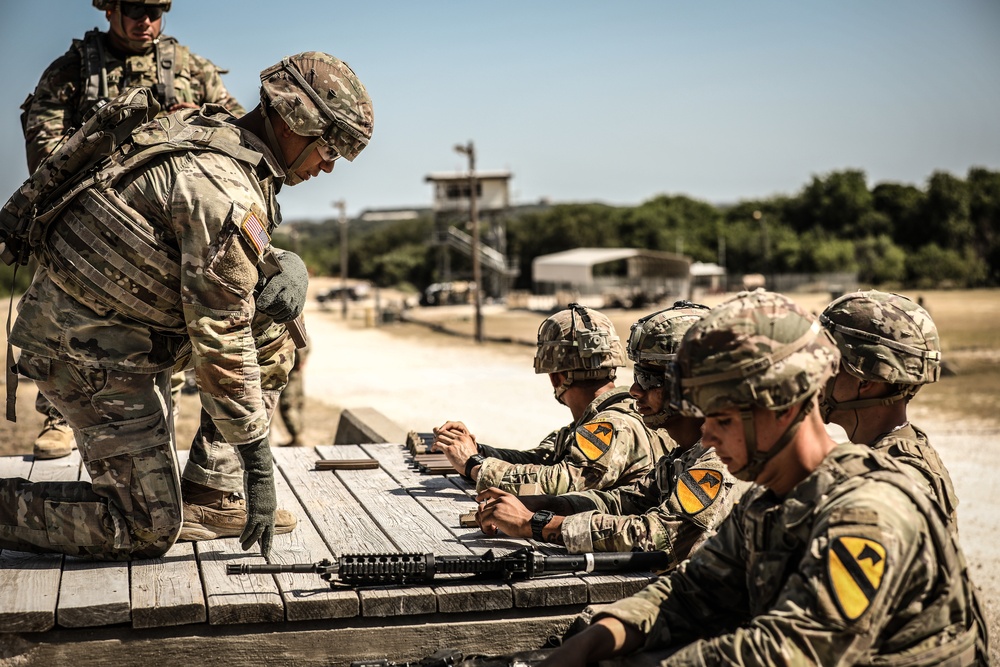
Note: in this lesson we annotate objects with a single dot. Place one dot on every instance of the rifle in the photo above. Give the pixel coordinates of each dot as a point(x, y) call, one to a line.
point(414, 568)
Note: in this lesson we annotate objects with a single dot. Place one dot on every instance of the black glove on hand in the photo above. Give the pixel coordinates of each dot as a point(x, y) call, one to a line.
point(283, 296)
point(258, 481)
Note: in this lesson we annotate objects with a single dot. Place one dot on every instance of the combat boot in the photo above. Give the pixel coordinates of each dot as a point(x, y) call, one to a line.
point(56, 439)
point(210, 513)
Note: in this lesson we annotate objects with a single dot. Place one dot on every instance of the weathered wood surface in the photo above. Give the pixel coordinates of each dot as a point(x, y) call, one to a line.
point(60, 610)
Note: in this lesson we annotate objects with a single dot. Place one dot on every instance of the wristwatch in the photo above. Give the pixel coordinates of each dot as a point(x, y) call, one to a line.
point(472, 462)
point(538, 522)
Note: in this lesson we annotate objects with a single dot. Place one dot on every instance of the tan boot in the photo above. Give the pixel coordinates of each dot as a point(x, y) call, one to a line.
point(56, 439)
point(209, 514)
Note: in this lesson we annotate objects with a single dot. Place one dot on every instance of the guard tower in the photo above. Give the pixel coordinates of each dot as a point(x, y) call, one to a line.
point(452, 226)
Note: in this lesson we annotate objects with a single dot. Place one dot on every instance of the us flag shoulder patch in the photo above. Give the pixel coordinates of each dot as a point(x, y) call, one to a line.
point(594, 439)
point(254, 231)
point(856, 567)
point(697, 489)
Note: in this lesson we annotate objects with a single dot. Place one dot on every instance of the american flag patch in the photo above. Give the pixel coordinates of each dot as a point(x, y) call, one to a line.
point(253, 230)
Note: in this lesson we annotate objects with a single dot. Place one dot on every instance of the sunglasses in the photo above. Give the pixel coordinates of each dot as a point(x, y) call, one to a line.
point(327, 152)
point(136, 11)
point(648, 378)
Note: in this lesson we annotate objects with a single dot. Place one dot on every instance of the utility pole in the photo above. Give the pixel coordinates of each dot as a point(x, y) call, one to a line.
point(768, 272)
point(342, 207)
point(470, 150)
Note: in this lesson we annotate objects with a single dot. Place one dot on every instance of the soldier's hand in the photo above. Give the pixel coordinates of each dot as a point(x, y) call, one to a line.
point(458, 446)
point(454, 426)
point(182, 105)
point(258, 482)
point(500, 511)
point(283, 296)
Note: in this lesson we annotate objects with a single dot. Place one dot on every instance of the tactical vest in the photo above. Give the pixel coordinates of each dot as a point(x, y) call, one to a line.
point(909, 446)
point(168, 57)
point(93, 242)
point(772, 559)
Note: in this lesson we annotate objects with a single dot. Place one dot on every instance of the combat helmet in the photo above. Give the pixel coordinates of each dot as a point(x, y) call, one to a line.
point(318, 96)
point(109, 5)
point(652, 344)
point(758, 349)
point(579, 342)
point(883, 337)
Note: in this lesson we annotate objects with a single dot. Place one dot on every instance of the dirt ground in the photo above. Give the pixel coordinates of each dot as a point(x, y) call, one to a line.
point(421, 378)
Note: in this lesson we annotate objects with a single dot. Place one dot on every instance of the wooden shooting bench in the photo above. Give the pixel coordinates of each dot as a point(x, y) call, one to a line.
point(183, 609)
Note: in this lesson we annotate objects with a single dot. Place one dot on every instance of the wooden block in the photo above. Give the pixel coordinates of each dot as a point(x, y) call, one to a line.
point(93, 593)
point(468, 520)
point(167, 590)
point(549, 592)
point(346, 464)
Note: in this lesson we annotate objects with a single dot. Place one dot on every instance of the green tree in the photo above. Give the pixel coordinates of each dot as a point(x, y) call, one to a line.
point(880, 261)
point(935, 267)
point(984, 214)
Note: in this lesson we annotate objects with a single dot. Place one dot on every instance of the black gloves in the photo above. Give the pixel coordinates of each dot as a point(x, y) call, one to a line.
point(258, 482)
point(283, 296)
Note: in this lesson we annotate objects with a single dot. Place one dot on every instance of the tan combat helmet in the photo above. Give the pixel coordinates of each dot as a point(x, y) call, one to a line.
point(759, 349)
point(318, 96)
point(882, 337)
point(581, 343)
point(109, 5)
point(652, 345)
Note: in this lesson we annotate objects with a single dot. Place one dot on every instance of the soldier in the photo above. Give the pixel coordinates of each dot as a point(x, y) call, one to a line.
point(192, 226)
point(607, 444)
point(292, 400)
point(673, 508)
point(837, 558)
point(133, 52)
point(889, 349)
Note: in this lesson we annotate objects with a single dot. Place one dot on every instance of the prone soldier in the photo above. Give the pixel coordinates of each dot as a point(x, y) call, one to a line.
point(132, 52)
point(674, 508)
point(606, 445)
point(192, 222)
point(836, 558)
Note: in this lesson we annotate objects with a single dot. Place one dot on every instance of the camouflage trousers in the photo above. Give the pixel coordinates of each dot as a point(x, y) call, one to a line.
point(132, 505)
point(292, 402)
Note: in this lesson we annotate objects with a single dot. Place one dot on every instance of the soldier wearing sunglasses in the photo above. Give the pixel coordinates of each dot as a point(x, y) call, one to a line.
point(133, 52)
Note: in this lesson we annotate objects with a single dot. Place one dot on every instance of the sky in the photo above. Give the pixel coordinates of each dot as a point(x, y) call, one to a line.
point(591, 101)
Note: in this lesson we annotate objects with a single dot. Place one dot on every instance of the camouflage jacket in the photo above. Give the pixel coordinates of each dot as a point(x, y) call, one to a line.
point(73, 83)
point(674, 508)
point(910, 447)
point(854, 566)
point(608, 446)
point(211, 214)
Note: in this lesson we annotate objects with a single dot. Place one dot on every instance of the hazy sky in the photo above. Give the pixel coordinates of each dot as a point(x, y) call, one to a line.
point(597, 101)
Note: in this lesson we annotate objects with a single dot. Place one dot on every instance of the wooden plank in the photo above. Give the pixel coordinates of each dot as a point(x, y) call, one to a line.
point(167, 591)
point(413, 529)
point(306, 596)
point(30, 581)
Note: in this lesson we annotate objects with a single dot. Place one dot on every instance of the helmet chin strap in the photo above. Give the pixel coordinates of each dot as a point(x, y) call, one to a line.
point(291, 178)
point(756, 460)
point(659, 419)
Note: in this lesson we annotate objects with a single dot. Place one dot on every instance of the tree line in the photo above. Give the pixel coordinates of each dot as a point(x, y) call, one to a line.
point(944, 234)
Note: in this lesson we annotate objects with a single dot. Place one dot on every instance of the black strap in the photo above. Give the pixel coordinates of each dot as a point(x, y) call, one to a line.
point(11, 366)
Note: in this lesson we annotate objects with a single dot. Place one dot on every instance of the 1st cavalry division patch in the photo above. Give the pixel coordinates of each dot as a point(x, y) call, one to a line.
point(856, 566)
point(254, 231)
point(594, 438)
point(697, 489)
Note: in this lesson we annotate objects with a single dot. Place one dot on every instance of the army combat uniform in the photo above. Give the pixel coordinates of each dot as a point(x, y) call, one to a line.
point(73, 84)
point(910, 447)
point(137, 277)
point(608, 446)
point(674, 508)
point(854, 566)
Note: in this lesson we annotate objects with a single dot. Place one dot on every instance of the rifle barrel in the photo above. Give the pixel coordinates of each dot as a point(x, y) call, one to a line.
point(635, 561)
point(299, 568)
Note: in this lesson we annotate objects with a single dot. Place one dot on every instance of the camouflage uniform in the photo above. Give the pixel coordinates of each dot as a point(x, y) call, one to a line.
point(608, 446)
point(292, 400)
point(674, 508)
point(888, 338)
point(69, 87)
point(69, 322)
point(854, 566)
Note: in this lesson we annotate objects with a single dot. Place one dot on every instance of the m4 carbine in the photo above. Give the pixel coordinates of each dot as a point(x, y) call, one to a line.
point(414, 569)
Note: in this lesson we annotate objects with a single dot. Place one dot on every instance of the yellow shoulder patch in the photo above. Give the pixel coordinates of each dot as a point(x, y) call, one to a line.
point(856, 566)
point(697, 488)
point(594, 439)
point(254, 229)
